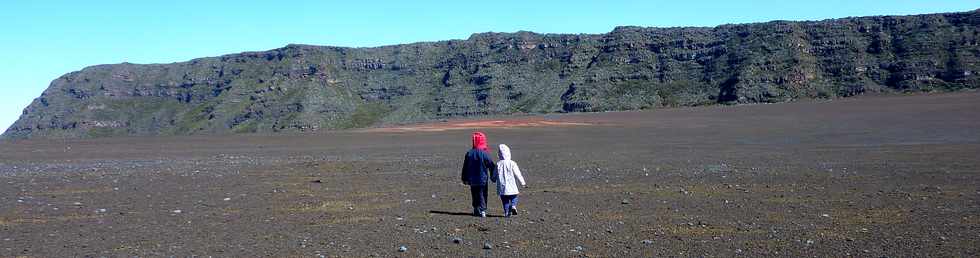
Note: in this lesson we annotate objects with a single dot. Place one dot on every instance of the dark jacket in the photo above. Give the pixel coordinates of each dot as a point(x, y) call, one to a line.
point(478, 167)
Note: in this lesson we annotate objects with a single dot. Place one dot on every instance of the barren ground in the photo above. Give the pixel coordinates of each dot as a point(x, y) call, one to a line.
point(869, 176)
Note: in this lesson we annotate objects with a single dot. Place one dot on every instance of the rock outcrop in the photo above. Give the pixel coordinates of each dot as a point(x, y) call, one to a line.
point(308, 88)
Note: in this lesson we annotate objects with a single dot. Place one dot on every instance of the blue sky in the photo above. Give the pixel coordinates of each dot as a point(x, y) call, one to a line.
point(41, 40)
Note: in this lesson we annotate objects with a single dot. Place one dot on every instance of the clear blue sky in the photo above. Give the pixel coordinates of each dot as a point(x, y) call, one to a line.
point(41, 40)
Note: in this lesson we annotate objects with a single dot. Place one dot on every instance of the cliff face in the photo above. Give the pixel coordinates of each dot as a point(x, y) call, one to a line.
point(305, 88)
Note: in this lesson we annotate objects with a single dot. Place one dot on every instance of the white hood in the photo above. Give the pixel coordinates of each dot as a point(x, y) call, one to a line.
point(504, 152)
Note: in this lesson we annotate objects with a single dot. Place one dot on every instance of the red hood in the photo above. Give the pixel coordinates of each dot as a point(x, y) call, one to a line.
point(480, 141)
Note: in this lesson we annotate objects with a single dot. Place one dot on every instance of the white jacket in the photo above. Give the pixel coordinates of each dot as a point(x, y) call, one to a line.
point(507, 171)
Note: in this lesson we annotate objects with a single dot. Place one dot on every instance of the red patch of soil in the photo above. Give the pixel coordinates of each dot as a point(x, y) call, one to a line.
point(480, 124)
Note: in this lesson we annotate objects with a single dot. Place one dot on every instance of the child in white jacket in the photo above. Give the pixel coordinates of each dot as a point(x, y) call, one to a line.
point(507, 176)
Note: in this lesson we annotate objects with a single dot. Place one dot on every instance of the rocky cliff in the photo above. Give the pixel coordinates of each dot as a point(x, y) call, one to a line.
point(308, 88)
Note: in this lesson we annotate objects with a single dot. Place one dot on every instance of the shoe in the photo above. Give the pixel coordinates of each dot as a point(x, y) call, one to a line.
point(513, 210)
point(483, 214)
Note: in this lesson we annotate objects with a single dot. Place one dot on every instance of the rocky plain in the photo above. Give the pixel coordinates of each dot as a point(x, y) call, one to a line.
point(871, 176)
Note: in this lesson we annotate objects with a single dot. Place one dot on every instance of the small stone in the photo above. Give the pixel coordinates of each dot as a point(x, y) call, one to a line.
point(487, 246)
point(402, 249)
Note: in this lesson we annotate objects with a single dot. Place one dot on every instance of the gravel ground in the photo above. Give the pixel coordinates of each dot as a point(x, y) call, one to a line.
point(870, 176)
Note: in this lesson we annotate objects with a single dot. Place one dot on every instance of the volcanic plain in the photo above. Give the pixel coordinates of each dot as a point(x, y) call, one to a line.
point(894, 175)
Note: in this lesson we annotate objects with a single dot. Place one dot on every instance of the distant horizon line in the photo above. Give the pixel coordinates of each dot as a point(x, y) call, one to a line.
point(526, 31)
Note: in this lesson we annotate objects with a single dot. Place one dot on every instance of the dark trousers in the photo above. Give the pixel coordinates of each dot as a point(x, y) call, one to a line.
point(510, 202)
point(479, 195)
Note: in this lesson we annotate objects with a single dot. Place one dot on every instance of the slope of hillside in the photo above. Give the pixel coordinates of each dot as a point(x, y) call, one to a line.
point(308, 88)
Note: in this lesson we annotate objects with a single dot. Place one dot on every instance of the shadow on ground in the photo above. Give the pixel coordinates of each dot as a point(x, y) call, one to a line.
point(456, 213)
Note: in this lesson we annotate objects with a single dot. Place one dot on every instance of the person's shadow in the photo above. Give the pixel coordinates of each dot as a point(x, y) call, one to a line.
point(453, 213)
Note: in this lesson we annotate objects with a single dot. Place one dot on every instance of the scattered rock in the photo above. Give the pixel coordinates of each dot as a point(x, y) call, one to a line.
point(723, 168)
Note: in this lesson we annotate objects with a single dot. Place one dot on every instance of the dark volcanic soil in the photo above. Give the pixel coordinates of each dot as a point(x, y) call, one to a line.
point(876, 176)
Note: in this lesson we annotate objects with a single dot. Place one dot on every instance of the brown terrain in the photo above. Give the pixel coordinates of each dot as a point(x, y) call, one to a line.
point(866, 176)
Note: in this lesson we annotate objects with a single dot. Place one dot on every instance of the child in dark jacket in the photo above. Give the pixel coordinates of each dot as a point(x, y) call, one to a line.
point(478, 168)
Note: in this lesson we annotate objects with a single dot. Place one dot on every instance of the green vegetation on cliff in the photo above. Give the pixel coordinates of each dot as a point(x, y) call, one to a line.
point(308, 88)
